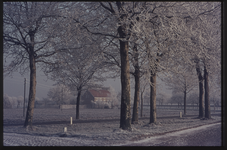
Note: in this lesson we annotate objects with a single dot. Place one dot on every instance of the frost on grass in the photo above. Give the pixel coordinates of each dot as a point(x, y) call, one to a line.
point(102, 133)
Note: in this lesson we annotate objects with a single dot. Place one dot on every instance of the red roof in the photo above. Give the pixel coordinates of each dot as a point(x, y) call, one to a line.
point(99, 93)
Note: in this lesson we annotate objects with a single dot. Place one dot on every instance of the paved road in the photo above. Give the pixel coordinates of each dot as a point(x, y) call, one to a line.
point(208, 135)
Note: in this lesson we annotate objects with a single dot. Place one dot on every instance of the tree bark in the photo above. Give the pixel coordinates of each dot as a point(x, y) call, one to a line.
point(141, 107)
point(153, 98)
point(32, 88)
point(125, 117)
point(207, 100)
point(137, 88)
point(201, 93)
point(32, 91)
point(185, 94)
point(136, 100)
point(78, 103)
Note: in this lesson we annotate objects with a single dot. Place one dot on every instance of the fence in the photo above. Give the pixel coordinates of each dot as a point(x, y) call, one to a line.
point(71, 106)
point(180, 107)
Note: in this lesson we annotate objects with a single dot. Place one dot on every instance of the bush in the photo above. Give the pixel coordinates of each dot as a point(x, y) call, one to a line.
point(6, 103)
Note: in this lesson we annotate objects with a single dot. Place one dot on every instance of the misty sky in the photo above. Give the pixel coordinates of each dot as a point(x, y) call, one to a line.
point(15, 86)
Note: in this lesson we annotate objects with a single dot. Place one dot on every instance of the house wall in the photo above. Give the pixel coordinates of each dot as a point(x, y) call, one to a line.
point(104, 99)
point(90, 101)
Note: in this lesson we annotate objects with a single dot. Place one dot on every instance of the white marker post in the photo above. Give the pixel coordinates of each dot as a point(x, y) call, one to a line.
point(71, 120)
point(65, 129)
point(180, 114)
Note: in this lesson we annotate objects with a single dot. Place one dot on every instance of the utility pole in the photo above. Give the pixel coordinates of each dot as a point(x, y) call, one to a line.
point(24, 95)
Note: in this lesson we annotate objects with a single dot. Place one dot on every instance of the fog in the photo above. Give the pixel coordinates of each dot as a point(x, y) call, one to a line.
point(14, 86)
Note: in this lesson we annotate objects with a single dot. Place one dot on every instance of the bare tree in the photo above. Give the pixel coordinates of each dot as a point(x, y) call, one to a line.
point(176, 98)
point(160, 98)
point(61, 94)
point(184, 82)
point(205, 32)
point(132, 18)
point(114, 99)
point(143, 88)
point(137, 59)
point(6, 102)
point(193, 98)
point(78, 67)
point(215, 90)
point(28, 34)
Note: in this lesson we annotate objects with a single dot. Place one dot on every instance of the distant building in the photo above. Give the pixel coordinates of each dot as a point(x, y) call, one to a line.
point(94, 98)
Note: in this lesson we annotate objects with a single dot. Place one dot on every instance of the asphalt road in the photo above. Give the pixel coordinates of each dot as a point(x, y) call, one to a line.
point(208, 135)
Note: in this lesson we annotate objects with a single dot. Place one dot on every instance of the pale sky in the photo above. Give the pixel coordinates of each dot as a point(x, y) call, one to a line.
point(15, 86)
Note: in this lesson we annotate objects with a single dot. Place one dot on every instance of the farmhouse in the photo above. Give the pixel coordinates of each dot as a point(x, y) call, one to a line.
point(94, 98)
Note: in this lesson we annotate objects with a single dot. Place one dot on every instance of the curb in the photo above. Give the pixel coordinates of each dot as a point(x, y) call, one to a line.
point(141, 137)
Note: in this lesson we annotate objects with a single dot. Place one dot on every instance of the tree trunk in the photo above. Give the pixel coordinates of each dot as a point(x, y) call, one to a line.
point(137, 88)
point(141, 107)
point(207, 101)
point(153, 98)
point(136, 101)
point(185, 94)
point(125, 117)
point(32, 91)
point(201, 93)
point(78, 103)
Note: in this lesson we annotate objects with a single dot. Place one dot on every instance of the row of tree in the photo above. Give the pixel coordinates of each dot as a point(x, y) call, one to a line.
point(12, 102)
point(78, 43)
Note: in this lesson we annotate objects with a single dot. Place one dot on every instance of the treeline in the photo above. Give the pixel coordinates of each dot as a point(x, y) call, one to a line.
point(81, 44)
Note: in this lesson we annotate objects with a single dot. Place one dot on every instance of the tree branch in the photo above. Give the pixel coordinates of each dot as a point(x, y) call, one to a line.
point(107, 8)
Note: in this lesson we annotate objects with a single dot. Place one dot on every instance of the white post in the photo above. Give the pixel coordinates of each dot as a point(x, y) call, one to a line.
point(65, 129)
point(180, 114)
point(71, 120)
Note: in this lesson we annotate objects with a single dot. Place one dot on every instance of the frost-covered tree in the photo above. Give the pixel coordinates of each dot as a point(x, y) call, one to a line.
point(183, 82)
point(193, 98)
point(60, 94)
point(137, 59)
point(124, 21)
point(177, 98)
point(143, 88)
point(6, 102)
point(120, 14)
point(215, 91)
point(20, 100)
point(161, 98)
point(29, 38)
point(113, 95)
point(204, 21)
point(78, 67)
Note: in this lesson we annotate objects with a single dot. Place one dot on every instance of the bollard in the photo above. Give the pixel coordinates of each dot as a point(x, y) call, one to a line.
point(71, 120)
point(180, 114)
point(65, 129)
